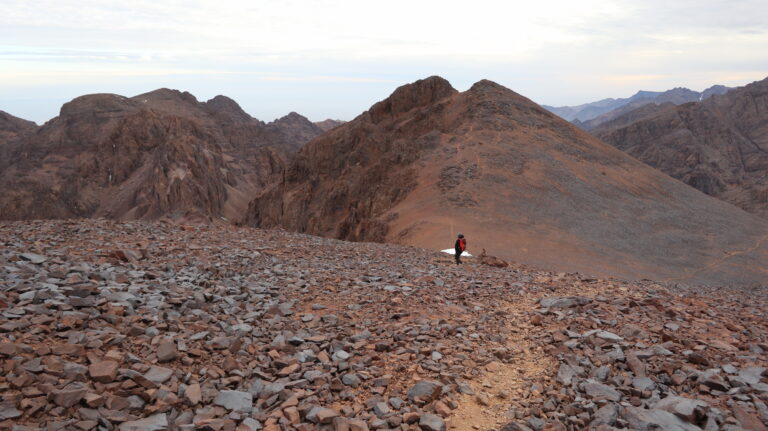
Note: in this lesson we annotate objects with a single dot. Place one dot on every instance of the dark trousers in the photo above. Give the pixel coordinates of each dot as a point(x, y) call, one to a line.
point(458, 257)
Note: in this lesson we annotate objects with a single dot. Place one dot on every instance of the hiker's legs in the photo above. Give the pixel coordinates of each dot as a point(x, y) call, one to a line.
point(458, 258)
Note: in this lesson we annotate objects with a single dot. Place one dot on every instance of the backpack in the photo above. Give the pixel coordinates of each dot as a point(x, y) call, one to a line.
point(462, 244)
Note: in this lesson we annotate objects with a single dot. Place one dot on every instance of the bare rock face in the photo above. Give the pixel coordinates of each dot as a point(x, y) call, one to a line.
point(527, 186)
point(718, 146)
point(159, 154)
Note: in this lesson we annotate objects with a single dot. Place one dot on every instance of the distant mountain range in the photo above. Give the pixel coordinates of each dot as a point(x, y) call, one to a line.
point(718, 145)
point(590, 115)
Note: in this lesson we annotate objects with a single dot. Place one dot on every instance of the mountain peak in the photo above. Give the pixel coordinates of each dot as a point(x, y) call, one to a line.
point(486, 84)
point(293, 116)
point(414, 95)
point(225, 105)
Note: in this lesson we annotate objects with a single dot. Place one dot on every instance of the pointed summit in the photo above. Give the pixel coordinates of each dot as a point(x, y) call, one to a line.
point(292, 118)
point(484, 85)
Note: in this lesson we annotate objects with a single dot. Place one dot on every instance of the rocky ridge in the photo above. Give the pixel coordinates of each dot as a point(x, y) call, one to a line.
point(134, 326)
point(429, 162)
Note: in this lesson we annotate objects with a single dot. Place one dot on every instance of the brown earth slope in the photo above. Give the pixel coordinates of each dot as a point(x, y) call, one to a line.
point(159, 154)
point(429, 162)
point(719, 146)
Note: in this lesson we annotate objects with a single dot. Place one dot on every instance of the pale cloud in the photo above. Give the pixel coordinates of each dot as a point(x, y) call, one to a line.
point(267, 53)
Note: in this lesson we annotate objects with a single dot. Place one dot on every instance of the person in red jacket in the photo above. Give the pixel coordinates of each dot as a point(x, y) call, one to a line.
point(460, 246)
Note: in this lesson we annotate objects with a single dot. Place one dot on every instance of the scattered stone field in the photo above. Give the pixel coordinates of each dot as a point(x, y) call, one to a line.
point(155, 326)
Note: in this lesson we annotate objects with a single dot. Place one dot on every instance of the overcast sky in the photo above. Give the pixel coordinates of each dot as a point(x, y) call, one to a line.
point(328, 58)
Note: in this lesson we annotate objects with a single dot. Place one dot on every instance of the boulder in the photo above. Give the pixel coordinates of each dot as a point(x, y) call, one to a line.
point(425, 391)
point(655, 419)
point(687, 409)
point(564, 302)
point(430, 422)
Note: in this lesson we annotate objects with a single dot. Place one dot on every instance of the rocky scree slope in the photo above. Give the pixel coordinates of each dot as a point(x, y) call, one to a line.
point(429, 162)
point(159, 154)
point(134, 326)
point(719, 146)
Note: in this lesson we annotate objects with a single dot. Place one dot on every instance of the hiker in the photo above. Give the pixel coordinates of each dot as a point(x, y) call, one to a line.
point(461, 245)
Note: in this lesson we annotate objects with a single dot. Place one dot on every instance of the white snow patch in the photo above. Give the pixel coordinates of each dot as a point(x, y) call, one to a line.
point(453, 251)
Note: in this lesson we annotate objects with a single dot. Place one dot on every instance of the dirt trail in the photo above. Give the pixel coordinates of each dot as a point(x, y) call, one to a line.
point(721, 260)
point(503, 382)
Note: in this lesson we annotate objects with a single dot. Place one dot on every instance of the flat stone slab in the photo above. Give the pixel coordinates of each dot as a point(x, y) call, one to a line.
point(235, 400)
point(564, 301)
point(157, 422)
point(158, 375)
point(33, 258)
point(599, 391)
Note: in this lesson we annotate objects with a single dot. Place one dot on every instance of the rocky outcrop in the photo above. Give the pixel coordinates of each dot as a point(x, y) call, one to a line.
point(429, 162)
point(719, 145)
point(159, 154)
